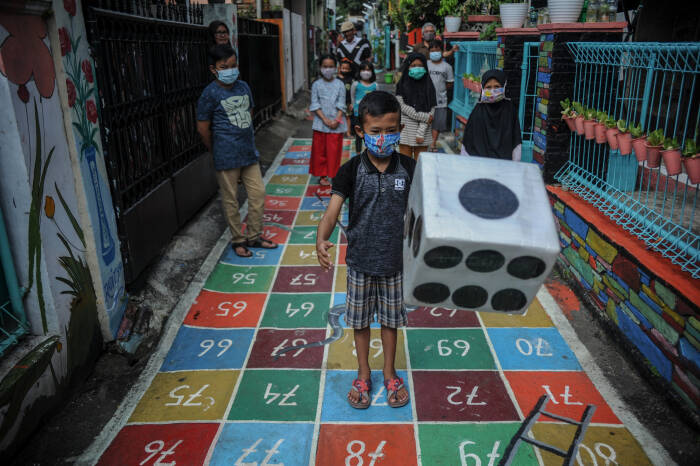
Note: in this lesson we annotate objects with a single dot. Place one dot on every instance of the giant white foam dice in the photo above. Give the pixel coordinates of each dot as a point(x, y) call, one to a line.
point(479, 234)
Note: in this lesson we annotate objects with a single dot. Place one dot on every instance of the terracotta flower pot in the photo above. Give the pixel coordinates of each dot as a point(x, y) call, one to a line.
point(579, 125)
point(611, 135)
point(640, 148)
point(692, 168)
point(653, 156)
point(589, 129)
point(600, 133)
point(624, 141)
point(569, 122)
point(672, 160)
point(465, 83)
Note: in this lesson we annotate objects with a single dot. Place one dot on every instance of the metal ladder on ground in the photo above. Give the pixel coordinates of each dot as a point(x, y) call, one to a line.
point(531, 419)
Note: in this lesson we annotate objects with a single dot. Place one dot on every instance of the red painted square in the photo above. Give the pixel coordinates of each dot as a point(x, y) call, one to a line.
point(226, 310)
point(323, 191)
point(152, 444)
point(283, 217)
point(275, 234)
point(299, 161)
point(269, 341)
point(282, 203)
point(571, 392)
point(438, 317)
point(303, 279)
point(385, 444)
point(342, 253)
point(299, 148)
point(462, 396)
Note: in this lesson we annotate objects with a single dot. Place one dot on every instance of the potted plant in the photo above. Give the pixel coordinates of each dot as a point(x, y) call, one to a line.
point(624, 138)
point(513, 13)
point(589, 123)
point(691, 160)
point(638, 142)
point(567, 113)
point(611, 132)
point(600, 138)
point(578, 119)
point(465, 80)
point(653, 145)
point(564, 11)
point(672, 156)
point(452, 11)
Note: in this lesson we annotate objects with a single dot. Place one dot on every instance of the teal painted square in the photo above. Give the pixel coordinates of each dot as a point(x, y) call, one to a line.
point(449, 349)
point(307, 235)
point(238, 279)
point(294, 310)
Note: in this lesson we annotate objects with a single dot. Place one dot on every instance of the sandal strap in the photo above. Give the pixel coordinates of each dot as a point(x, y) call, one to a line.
point(361, 385)
point(394, 385)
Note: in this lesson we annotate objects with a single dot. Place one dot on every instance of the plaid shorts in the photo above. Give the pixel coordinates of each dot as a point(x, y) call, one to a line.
point(370, 296)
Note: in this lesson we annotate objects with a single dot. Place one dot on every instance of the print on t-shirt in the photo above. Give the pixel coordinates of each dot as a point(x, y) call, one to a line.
point(236, 108)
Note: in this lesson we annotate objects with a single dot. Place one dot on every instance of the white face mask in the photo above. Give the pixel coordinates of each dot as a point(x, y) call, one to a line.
point(366, 75)
point(328, 73)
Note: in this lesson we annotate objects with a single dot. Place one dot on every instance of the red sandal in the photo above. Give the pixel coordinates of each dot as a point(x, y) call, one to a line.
point(392, 389)
point(363, 387)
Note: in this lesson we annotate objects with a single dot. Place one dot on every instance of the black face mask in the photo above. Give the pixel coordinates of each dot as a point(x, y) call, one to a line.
point(428, 36)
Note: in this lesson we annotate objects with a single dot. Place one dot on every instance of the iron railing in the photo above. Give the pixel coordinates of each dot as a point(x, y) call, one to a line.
point(13, 321)
point(655, 85)
point(473, 58)
point(527, 106)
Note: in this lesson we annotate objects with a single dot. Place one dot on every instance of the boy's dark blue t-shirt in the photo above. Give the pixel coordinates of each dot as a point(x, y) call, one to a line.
point(228, 110)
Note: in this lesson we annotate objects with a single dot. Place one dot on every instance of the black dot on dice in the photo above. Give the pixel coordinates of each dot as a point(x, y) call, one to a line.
point(417, 232)
point(485, 260)
point(470, 296)
point(443, 257)
point(431, 293)
point(410, 221)
point(508, 300)
point(525, 267)
point(488, 199)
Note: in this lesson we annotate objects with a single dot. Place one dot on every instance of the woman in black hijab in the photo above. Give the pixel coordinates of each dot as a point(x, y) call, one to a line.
point(493, 128)
point(416, 94)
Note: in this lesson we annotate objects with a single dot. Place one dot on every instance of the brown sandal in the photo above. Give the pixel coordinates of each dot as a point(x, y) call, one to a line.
point(261, 243)
point(243, 245)
point(363, 387)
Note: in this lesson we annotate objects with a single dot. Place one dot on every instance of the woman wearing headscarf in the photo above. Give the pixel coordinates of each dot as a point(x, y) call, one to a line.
point(416, 94)
point(493, 128)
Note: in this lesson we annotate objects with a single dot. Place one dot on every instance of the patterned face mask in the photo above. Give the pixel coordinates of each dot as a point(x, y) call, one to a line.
point(490, 96)
point(381, 145)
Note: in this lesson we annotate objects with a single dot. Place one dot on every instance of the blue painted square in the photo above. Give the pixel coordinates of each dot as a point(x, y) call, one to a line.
point(298, 155)
point(292, 170)
point(260, 257)
point(576, 223)
point(264, 443)
point(204, 348)
point(312, 203)
point(337, 408)
point(647, 347)
point(532, 349)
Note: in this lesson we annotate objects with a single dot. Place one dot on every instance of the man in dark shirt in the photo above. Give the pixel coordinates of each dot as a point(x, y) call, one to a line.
point(353, 47)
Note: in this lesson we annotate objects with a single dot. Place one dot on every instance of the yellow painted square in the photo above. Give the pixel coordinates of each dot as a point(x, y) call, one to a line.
point(341, 353)
point(308, 218)
point(186, 396)
point(341, 279)
point(300, 254)
point(535, 316)
point(289, 179)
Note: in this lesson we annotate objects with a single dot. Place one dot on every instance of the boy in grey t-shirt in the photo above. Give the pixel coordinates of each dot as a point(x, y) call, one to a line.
point(443, 78)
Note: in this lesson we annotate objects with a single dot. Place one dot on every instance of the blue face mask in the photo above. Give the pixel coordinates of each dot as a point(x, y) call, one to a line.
point(381, 145)
point(435, 56)
point(228, 76)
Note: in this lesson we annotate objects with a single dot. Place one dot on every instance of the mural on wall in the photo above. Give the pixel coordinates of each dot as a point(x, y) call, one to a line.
point(82, 94)
point(227, 13)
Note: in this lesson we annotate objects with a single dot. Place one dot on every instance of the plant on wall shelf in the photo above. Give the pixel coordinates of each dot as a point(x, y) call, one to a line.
point(600, 128)
point(653, 145)
point(672, 156)
point(589, 123)
point(691, 160)
point(611, 133)
point(624, 138)
point(638, 142)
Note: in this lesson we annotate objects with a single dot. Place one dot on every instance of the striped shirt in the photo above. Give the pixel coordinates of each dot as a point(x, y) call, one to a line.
point(415, 125)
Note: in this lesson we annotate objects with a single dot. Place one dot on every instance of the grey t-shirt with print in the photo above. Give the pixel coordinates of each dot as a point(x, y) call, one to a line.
point(441, 74)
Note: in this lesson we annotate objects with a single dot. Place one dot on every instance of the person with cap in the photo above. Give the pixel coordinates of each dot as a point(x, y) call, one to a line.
point(353, 47)
point(428, 34)
point(493, 128)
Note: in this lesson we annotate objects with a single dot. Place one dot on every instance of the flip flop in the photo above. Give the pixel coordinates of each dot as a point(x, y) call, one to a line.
point(364, 387)
point(392, 388)
point(243, 245)
point(259, 243)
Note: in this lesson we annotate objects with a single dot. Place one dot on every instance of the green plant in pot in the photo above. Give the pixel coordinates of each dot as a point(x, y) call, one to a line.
point(602, 117)
point(567, 113)
point(589, 123)
point(578, 119)
point(624, 138)
point(672, 156)
point(611, 132)
point(691, 160)
point(654, 141)
point(638, 142)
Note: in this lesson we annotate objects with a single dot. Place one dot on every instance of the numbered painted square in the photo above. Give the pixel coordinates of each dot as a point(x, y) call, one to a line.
point(386, 444)
point(151, 444)
point(341, 279)
point(226, 310)
point(239, 279)
point(300, 254)
point(313, 203)
point(449, 349)
point(313, 190)
point(261, 256)
point(281, 203)
point(292, 170)
point(342, 354)
point(336, 406)
point(186, 396)
point(298, 179)
point(277, 395)
point(296, 161)
point(456, 396)
point(308, 218)
point(438, 317)
point(285, 310)
point(202, 348)
point(532, 349)
point(268, 343)
point(296, 153)
point(284, 190)
point(471, 444)
point(307, 235)
point(264, 443)
point(535, 316)
point(303, 279)
point(277, 234)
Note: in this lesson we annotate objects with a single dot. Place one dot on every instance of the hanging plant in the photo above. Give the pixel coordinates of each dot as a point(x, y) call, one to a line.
point(624, 138)
point(672, 156)
point(691, 160)
point(653, 145)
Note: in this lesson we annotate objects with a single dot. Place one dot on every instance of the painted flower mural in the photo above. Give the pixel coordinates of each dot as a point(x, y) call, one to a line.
point(69, 5)
point(87, 70)
point(71, 92)
point(64, 39)
point(91, 110)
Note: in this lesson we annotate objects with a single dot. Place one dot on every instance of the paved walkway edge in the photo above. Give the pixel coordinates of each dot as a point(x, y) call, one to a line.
point(93, 453)
point(652, 447)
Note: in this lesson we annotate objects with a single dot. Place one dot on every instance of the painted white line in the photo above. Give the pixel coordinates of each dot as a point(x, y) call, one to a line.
point(657, 454)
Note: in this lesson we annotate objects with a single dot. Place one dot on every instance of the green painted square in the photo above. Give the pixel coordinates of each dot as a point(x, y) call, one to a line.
point(301, 142)
point(449, 349)
point(284, 190)
point(274, 395)
point(286, 310)
point(307, 235)
point(237, 279)
point(473, 444)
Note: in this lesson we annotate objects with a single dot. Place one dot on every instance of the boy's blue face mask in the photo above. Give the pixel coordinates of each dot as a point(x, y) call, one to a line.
point(228, 76)
point(381, 145)
point(435, 56)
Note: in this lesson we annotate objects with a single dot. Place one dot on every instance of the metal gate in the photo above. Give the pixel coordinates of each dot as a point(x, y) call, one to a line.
point(527, 108)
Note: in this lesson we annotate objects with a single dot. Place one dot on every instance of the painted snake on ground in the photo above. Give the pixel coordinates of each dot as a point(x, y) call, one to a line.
point(337, 331)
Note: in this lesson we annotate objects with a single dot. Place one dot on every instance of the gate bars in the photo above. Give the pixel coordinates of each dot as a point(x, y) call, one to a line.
point(655, 85)
point(474, 58)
